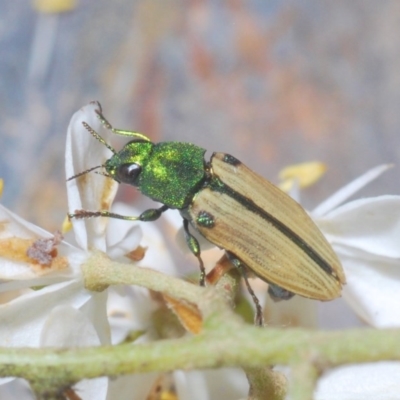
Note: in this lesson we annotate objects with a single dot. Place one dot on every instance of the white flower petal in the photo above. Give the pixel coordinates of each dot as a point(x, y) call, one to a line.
point(346, 191)
point(96, 310)
point(4, 381)
point(90, 192)
point(377, 381)
point(66, 327)
point(21, 284)
point(92, 389)
point(15, 388)
point(123, 236)
point(19, 275)
point(129, 312)
point(296, 312)
point(16, 227)
point(23, 318)
point(371, 224)
point(131, 387)
point(70, 328)
point(158, 255)
point(224, 383)
point(174, 219)
point(373, 289)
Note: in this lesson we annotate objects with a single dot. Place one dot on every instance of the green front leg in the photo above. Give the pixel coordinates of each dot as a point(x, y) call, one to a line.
point(121, 132)
point(151, 214)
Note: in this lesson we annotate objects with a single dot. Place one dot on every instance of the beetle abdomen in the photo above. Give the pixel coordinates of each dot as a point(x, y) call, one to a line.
point(267, 230)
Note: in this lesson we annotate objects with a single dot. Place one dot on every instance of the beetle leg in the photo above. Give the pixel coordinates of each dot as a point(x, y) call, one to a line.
point(121, 132)
point(149, 215)
point(258, 319)
point(194, 247)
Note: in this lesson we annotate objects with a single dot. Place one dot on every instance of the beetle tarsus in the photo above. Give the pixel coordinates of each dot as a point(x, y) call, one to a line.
point(83, 214)
point(258, 318)
point(202, 280)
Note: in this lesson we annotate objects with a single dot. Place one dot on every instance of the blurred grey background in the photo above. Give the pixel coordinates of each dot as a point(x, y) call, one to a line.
point(272, 82)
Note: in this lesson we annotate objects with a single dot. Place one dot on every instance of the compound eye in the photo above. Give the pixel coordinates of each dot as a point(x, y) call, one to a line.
point(127, 173)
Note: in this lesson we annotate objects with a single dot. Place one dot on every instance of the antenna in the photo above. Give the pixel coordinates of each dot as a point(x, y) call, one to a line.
point(98, 137)
point(83, 173)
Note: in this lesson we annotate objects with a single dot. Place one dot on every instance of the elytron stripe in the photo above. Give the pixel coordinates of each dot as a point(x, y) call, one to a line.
point(218, 186)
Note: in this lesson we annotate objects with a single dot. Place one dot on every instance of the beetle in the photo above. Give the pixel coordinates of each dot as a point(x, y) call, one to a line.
point(261, 228)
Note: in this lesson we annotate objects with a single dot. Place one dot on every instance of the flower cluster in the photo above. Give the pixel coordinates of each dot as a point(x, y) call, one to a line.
point(44, 301)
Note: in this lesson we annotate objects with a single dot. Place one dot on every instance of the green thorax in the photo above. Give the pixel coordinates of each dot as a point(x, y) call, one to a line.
point(172, 172)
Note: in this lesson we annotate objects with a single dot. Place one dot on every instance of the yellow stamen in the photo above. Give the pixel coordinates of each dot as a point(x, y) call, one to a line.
point(306, 174)
point(168, 395)
point(66, 225)
point(54, 6)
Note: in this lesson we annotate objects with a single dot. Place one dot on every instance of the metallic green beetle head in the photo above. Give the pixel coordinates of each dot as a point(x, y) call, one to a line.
point(168, 172)
point(126, 165)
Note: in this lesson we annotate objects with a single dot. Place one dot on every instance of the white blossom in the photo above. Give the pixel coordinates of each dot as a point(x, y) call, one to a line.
point(365, 235)
point(48, 305)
